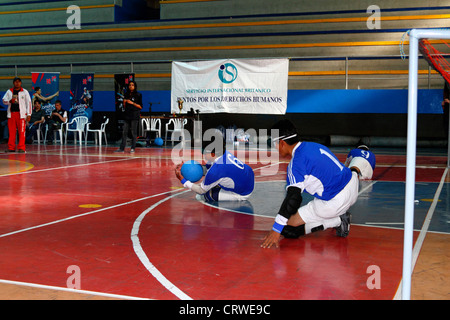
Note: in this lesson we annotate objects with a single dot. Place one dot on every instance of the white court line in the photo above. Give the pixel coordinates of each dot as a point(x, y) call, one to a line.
point(78, 291)
point(64, 167)
point(367, 187)
point(151, 268)
point(387, 223)
point(146, 262)
point(74, 217)
point(423, 231)
point(269, 165)
point(84, 214)
point(143, 257)
point(265, 216)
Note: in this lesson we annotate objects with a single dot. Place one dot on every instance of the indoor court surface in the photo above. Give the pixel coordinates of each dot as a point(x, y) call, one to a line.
point(132, 232)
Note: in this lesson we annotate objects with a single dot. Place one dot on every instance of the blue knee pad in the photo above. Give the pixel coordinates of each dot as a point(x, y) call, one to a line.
point(213, 194)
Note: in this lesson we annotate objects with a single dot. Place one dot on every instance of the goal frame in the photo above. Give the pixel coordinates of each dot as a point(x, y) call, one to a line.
point(414, 36)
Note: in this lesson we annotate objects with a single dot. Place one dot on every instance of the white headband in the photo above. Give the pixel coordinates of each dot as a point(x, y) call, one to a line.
point(283, 138)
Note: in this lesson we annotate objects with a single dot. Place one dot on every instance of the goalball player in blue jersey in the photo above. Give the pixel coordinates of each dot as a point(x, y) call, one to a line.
point(227, 178)
point(362, 160)
point(314, 169)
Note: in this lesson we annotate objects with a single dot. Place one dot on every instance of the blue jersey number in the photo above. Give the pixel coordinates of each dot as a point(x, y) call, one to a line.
point(238, 163)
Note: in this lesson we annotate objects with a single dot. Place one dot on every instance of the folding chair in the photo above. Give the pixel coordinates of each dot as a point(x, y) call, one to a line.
point(152, 125)
point(80, 128)
point(178, 127)
point(98, 132)
point(59, 131)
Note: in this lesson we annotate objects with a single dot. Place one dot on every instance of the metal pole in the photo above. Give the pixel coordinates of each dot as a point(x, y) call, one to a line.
point(448, 141)
point(429, 77)
point(410, 165)
point(414, 36)
point(346, 73)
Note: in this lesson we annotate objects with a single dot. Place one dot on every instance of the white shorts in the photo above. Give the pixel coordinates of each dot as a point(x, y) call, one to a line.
point(318, 210)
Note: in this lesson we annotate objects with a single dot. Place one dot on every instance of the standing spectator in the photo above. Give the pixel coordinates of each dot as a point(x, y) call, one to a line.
point(19, 109)
point(133, 106)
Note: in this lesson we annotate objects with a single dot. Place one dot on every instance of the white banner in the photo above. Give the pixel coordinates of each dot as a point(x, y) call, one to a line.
point(231, 86)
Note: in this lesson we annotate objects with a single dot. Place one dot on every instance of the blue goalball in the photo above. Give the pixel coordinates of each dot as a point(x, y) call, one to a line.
point(192, 171)
point(159, 142)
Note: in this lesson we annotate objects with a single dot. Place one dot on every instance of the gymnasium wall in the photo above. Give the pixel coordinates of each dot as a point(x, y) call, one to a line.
point(233, 8)
point(319, 114)
point(344, 78)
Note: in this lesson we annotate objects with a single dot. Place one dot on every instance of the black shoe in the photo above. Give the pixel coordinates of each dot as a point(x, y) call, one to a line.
point(344, 229)
point(119, 151)
point(8, 150)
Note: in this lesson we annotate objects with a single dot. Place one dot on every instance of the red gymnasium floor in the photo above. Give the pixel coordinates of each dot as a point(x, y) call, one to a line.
point(121, 226)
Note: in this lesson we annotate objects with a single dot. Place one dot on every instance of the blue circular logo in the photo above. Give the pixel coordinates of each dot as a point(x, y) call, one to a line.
point(228, 73)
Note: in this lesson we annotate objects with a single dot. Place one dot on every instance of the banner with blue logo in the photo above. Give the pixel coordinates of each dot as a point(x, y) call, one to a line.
point(230, 86)
point(45, 86)
point(81, 95)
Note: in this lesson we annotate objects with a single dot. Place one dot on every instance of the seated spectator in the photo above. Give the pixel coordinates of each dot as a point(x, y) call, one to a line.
point(3, 126)
point(59, 116)
point(4, 129)
point(37, 117)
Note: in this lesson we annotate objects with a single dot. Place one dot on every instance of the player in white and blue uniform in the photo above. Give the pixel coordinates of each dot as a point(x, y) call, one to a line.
point(227, 178)
point(363, 160)
point(316, 170)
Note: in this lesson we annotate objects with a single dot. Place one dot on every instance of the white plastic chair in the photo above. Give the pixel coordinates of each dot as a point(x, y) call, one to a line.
point(98, 132)
point(40, 133)
point(80, 128)
point(144, 126)
point(152, 125)
point(178, 127)
point(59, 131)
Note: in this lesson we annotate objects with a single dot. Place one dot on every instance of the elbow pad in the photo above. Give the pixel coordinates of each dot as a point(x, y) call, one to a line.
point(291, 203)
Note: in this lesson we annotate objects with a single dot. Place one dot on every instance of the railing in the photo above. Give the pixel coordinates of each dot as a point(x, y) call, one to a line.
point(346, 73)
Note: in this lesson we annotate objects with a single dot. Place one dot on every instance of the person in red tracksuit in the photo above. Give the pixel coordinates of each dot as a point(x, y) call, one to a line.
point(19, 109)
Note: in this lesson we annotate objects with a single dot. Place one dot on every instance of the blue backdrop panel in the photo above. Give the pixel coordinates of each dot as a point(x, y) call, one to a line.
point(301, 101)
point(361, 101)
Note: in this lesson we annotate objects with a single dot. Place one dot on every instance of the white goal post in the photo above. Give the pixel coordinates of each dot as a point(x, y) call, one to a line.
point(414, 36)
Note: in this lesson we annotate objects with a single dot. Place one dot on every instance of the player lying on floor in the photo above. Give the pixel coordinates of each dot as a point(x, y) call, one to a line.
point(362, 160)
point(313, 168)
point(226, 179)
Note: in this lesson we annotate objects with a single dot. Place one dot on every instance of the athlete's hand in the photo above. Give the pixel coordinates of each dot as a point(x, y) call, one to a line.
point(272, 238)
point(178, 171)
